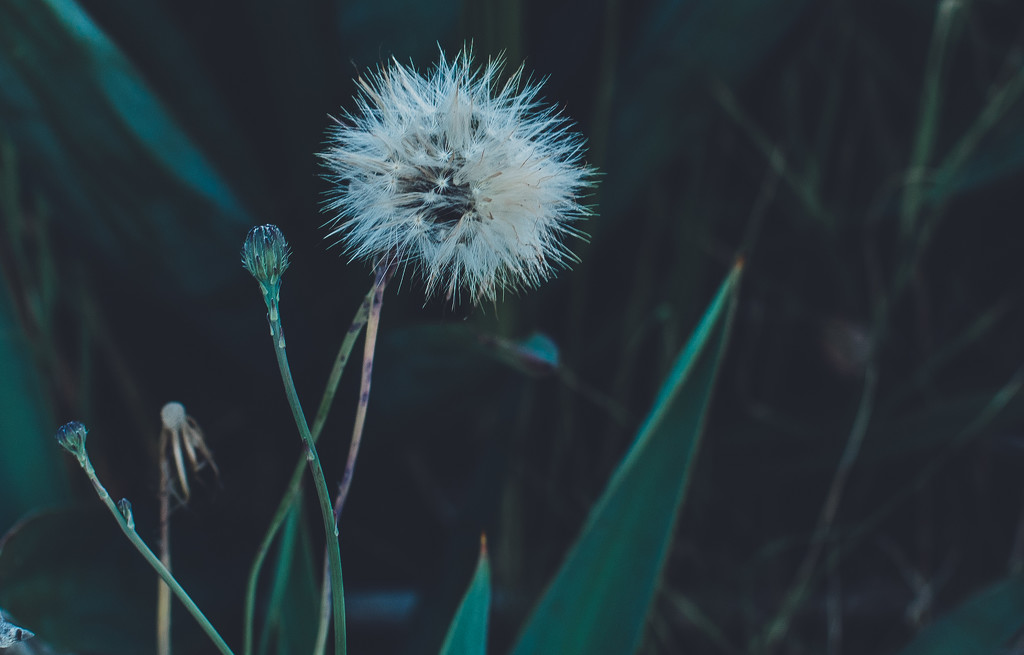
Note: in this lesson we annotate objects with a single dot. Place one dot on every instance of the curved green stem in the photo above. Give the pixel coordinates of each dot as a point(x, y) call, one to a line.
point(151, 558)
point(928, 122)
point(294, 489)
point(375, 298)
point(326, 509)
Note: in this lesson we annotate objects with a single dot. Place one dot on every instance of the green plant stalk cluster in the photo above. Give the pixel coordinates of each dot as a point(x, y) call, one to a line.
point(295, 483)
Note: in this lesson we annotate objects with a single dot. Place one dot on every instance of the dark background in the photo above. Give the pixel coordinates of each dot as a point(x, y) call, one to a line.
point(866, 160)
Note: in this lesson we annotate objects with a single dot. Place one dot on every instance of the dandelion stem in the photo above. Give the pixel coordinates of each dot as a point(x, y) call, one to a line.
point(294, 490)
point(151, 558)
point(326, 510)
point(376, 298)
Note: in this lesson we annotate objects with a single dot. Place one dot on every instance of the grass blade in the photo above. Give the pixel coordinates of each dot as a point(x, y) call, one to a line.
point(467, 634)
point(599, 599)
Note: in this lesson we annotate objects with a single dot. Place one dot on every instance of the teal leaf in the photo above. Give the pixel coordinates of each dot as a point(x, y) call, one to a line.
point(131, 184)
point(981, 625)
point(31, 473)
point(467, 634)
point(599, 599)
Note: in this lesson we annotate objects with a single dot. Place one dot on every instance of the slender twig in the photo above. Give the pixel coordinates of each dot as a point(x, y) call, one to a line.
point(999, 104)
point(326, 509)
point(384, 273)
point(801, 184)
point(928, 122)
point(294, 491)
point(152, 559)
point(163, 592)
point(779, 626)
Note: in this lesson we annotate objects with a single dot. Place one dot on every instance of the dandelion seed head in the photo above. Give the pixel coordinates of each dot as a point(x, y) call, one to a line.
point(472, 183)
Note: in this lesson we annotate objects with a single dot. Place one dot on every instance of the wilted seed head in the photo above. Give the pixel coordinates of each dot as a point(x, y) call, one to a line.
point(71, 436)
point(125, 507)
point(181, 436)
point(265, 254)
point(470, 182)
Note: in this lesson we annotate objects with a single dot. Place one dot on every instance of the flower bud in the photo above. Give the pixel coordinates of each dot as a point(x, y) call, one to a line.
point(71, 436)
point(125, 507)
point(265, 255)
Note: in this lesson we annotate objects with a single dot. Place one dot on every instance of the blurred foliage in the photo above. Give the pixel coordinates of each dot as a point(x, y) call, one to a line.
point(75, 589)
point(859, 479)
point(982, 624)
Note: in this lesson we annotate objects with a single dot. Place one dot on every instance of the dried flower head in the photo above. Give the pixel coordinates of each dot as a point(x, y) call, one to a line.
point(180, 434)
point(472, 183)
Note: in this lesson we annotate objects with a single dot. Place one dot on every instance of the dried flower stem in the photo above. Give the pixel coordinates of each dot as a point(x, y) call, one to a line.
point(163, 592)
point(326, 509)
point(140, 545)
point(385, 272)
point(295, 484)
point(384, 275)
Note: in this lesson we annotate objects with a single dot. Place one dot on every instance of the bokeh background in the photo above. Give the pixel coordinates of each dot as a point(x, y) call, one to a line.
point(864, 157)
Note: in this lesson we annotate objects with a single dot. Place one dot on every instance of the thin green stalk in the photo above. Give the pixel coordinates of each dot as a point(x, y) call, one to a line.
point(325, 614)
point(294, 489)
point(928, 123)
point(800, 184)
point(154, 561)
point(384, 273)
point(326, 509)
point(999, 104)
point(780, 625)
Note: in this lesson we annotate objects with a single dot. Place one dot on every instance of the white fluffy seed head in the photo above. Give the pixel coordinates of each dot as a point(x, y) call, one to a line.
point(469, 182)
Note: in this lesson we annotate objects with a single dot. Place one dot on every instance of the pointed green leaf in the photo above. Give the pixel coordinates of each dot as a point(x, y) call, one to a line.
point(598, 601)
point(981, 625)
point(467, 635)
